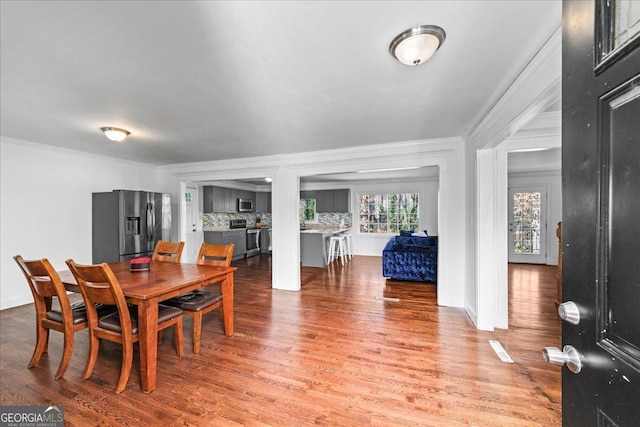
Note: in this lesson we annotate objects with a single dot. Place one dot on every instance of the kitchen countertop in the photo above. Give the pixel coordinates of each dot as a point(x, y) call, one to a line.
point(312, 229)
point(223, 229)
point(325, 230)
point(226, 228)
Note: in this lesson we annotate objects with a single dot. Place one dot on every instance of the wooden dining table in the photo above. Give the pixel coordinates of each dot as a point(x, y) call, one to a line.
point(164, 280)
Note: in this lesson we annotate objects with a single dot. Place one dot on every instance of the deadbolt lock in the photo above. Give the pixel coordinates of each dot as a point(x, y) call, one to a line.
point(569, 312)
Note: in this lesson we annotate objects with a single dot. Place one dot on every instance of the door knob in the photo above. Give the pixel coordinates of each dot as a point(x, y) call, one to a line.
point(569, 356)
point(569, 312)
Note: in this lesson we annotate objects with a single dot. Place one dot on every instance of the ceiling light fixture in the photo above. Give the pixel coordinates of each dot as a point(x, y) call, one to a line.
point(268, 179)
point(417, 45)
point(115, 134)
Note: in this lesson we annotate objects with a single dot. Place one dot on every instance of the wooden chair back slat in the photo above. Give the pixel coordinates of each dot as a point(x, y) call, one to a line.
point(217, 255)
point(41, 276)
point(99, 285)
point(44, 286)
point(43, 281)
point(168, 251)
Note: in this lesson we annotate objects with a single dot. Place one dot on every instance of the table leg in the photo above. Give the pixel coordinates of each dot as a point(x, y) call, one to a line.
point(148, 330)
point(227, 303)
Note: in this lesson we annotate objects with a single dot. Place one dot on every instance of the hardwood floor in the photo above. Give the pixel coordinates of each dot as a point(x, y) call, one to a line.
point(333, 354)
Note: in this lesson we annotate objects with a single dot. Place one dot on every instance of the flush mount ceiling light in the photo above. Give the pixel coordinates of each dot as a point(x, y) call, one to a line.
point(268, 179)
point(417, 45)
point(115, 134)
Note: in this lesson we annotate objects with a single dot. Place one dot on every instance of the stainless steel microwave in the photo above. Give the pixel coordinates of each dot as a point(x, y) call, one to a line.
point(245, 205)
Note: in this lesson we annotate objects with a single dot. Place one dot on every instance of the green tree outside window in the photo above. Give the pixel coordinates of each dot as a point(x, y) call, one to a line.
point(389, 213)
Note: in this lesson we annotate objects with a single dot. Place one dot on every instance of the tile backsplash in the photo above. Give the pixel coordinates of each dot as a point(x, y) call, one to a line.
point(221, 220)
point(335, 218)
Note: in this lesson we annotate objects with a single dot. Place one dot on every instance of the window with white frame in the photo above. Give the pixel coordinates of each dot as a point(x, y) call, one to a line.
point(308, 210)
point(389, 213)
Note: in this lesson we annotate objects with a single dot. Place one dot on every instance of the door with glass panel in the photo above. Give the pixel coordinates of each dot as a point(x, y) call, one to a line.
point(528, 225)
point(192, 246)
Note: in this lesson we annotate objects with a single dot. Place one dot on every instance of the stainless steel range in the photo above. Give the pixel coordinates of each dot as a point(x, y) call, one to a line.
point(253, 236)
point(237, 223)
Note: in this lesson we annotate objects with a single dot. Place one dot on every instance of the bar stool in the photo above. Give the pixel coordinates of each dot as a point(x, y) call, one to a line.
point(349, 245)
point(337, 246)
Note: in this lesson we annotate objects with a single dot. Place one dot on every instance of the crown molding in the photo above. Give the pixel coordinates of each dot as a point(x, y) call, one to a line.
point(73, 152)
point(538, 138)
point(350, 159)
point(534, 88)
point(547, 120)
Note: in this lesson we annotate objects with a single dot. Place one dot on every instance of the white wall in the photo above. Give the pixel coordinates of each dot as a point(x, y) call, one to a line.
point(372, 245)
point(45, 206)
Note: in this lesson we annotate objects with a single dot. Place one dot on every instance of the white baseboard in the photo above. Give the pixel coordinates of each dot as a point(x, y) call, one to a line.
point(15, 302)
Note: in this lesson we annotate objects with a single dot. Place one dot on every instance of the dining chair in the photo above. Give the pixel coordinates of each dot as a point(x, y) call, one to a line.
point(200, 302)
point(45, 285)
point(99, 285)
point(168, 251)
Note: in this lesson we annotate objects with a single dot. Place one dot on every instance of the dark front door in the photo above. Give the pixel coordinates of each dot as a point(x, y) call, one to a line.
point(601, 211)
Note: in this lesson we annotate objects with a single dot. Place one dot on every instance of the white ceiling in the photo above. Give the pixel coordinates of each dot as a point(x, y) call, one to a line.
point(196, 81)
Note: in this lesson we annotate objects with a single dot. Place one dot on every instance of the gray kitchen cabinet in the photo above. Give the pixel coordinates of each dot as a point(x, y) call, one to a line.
point(308, 195)
point(223, 199)
point(324, 201)
point(342, 200)
point(313, 250)
point(237, 237)
point(245, 194)
point(263, 202)
point(233, 199)
point(329, 200)
point(217, 199)
point(213, 199)
point(230, 200)
point(207, 199)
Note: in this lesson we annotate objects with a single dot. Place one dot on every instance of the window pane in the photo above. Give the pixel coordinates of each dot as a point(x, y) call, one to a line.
point(526, 223)
point(307, 209)
point(389, 213)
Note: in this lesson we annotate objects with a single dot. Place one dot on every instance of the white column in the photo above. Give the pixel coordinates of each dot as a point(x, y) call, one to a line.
point(491, 238)
point(451, 230)
point(285, 196)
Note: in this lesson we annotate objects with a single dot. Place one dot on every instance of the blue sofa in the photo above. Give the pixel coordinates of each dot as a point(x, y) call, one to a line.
point(408, 257)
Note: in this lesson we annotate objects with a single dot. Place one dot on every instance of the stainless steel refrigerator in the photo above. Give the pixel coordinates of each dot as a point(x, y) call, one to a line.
point(128, 224)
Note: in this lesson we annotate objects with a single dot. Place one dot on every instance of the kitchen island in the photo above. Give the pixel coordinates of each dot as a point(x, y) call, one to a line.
point(314, 244)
